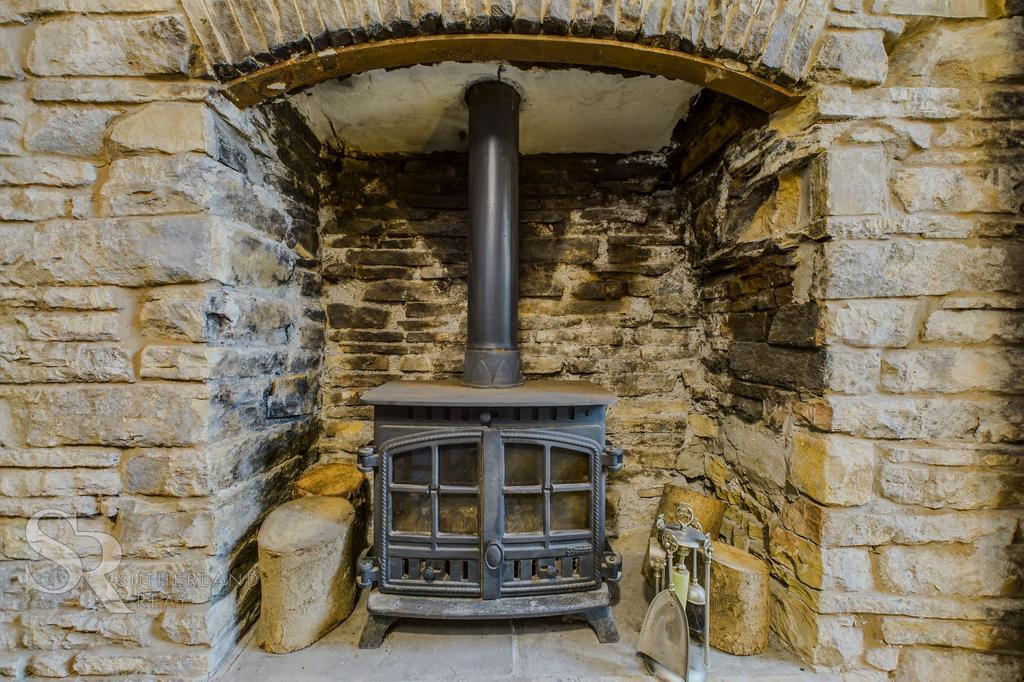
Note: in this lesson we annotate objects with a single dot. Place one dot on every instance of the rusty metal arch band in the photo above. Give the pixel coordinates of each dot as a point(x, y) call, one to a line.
point(306, 70)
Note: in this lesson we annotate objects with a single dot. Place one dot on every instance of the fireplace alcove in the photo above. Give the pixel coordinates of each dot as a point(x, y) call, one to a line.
point(628, 271)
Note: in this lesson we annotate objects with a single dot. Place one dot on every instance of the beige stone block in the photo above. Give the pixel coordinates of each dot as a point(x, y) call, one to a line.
point(982, 420)
point(77, 46)
point(828, 640)
point(954, 569)
point(51, 664)
point(42, 362)
point(171, 127)
point(857, 57)
point(873, 323)
point(906, 267)
point(153, 527)
point(61, 326)
point(832, 469)
point(953, 370)
point(42, 171)
point(167, 471)
point(176, 314)
point(853, 370)
point(123, 251)
point(74, 131)
point(962, 634)
point(849, 181)
point(956, 9)
point(953, 487)
point(975, 326)
point(860, 526)
point(33, 203)
point(59, 482)
point(306, 571)
point(797, 556)
point(842, 102)
point(182, 664)
point(957, 189)
point(178, 363)
point(67, 628)
point(936, 664)
point(117, 90)
point(847, 569)
point(702, 426)
point(125, 416)
point(58, 458)
point(185, 625)
point(757, 449)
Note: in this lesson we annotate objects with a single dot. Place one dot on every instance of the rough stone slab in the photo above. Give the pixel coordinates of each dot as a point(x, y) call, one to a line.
point(65, 362)
point(125, 416)
point(832, 469)
point(954, 9)
point(902, 267)
point(119, 90)
point(33, 203)
point(53, 172)
point(953, 370)
point(72, 131)
point(111, 47)
point(859, 58)
point(927, 103)
point(120, 251)
point(985, 420)
point(45, 458)
point(952, 487)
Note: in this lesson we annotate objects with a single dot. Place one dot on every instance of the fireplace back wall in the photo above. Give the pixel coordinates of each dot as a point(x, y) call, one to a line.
point(606, 295)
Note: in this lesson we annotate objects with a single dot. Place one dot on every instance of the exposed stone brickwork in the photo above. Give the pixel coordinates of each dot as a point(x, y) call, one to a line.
point(161, 338)
point(817, 316)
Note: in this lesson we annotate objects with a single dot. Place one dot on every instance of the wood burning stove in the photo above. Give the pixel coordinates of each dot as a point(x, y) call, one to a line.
point(489, 494)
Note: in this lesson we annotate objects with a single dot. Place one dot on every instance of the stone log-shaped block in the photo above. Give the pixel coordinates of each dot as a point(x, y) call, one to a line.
point(739, 601)
point(306, 571)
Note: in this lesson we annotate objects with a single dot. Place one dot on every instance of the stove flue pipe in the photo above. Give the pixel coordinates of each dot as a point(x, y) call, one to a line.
point(492, 351)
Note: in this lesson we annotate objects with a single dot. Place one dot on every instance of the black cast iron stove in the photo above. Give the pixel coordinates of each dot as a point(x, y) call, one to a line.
point(489, 494)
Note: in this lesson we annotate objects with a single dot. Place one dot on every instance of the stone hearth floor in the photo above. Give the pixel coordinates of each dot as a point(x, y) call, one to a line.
point(547, 649)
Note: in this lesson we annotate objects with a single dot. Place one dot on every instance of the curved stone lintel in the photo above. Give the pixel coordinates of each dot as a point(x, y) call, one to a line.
point(311, 69)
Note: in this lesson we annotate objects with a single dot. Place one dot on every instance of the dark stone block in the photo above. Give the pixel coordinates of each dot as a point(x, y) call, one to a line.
point(778, 365)
point(796, 325)
point(748, 326)
point(342, 315)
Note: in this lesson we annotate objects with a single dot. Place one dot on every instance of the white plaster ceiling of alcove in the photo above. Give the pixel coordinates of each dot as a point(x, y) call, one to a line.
point(421, 109)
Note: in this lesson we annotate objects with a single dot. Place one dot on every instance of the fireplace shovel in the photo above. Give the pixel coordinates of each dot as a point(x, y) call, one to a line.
point(664, 638)
point(664, 644)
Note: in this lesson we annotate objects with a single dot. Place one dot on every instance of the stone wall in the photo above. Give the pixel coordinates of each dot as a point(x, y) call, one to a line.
point(160, 342)
point(822, 309)
point(861, 282)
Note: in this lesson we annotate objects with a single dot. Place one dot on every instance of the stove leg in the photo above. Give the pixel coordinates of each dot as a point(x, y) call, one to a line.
point(600, 619)
point(376, 629)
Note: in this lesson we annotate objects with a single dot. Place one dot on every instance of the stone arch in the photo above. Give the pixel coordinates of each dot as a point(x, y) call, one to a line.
point(753, 51)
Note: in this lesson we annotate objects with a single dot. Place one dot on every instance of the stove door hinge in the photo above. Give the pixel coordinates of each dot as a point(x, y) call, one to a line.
point(610, 567)
point(368, 571)
point(611, 458)
point(367, 459)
